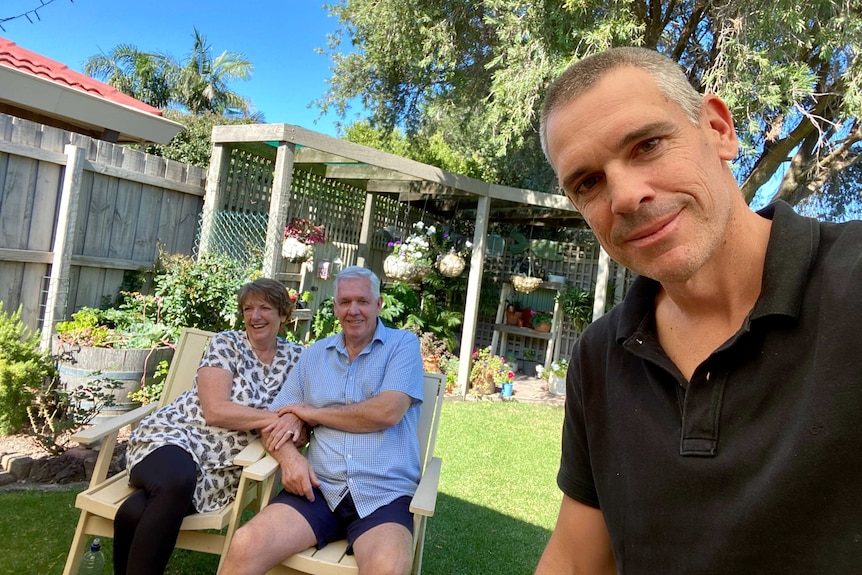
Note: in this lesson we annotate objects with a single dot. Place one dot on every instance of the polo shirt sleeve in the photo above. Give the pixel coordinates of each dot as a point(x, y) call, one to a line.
point(575, 477)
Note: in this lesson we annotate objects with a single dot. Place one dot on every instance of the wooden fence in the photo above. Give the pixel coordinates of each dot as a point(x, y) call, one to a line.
point(77, 213)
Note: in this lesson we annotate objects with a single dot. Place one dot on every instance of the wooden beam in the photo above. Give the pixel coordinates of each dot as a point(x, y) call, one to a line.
point(365, 172)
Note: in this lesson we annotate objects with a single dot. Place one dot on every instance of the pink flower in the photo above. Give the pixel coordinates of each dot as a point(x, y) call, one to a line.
point(510, 375)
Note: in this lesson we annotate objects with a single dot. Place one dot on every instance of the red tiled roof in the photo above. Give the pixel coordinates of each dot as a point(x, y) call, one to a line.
point(18, 58)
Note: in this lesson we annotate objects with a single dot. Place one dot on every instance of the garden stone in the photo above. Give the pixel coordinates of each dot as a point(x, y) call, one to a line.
point(19, 467)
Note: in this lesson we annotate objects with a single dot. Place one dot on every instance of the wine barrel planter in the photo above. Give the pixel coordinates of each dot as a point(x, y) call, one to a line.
point(131, 368)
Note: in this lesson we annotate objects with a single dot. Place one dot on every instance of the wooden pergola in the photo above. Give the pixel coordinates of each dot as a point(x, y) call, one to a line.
point(377, 173)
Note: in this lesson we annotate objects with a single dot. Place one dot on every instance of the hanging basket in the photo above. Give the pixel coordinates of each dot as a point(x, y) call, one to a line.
point(401, 269)
point(525, 284)
point(451, 265)
point(295, 250)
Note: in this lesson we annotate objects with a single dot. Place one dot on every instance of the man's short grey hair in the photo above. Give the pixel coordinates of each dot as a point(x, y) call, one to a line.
point(580, 77)
point(355, 272)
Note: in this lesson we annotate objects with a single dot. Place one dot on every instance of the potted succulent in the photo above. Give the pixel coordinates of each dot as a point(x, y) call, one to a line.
point(299, 237)
point(542, 321)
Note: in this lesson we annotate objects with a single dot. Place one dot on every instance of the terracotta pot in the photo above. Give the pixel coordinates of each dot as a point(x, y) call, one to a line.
point(542, 327)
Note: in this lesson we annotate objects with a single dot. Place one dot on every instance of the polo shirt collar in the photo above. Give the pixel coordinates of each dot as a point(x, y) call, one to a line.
point(793, 243)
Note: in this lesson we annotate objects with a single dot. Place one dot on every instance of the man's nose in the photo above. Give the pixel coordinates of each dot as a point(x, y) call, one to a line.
point(627, 189)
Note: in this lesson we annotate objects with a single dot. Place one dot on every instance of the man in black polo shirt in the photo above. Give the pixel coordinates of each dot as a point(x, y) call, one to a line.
point(714, 418)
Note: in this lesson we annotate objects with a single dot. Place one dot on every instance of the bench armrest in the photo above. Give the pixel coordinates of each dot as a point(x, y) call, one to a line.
point(250, 454)
point(425, 499)
point(99, 431)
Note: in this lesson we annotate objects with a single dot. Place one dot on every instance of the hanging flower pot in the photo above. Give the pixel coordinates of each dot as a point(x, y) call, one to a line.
point(525, 284)
point(295, 250)
point(404, 270)
point(451, 265)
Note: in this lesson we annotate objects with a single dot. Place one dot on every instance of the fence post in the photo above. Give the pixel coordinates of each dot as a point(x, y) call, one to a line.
point(64, 242)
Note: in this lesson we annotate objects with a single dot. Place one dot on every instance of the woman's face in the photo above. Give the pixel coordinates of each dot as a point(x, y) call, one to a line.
point(262, 320)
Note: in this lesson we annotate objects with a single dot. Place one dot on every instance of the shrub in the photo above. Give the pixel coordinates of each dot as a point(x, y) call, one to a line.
point(324, 322)
point(199, 292)
point(23, 369)
point(56, 412)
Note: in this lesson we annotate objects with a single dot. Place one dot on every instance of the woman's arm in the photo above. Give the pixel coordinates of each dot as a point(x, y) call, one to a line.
point(214, 386)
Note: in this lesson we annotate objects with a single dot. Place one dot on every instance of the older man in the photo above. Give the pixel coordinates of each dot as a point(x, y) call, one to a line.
point(712, 419)
point(360, 392)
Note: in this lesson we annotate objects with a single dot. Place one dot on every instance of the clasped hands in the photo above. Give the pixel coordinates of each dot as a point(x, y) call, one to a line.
point(289, 427)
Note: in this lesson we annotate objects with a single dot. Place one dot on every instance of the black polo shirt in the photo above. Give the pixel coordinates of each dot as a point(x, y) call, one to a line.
point(755, 466)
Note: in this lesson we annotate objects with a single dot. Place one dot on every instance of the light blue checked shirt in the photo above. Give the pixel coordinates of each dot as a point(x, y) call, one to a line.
point(376, 467)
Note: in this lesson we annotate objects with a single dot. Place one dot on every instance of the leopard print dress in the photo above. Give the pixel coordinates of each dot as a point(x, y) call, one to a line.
point(182, 422)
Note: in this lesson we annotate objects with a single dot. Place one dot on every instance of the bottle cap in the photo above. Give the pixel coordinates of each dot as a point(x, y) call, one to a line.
point(97, 545)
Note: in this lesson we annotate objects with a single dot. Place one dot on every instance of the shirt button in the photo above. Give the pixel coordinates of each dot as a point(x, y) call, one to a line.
point(349, 456)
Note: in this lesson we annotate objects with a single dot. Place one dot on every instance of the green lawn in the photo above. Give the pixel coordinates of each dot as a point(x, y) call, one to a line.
point(497, 505)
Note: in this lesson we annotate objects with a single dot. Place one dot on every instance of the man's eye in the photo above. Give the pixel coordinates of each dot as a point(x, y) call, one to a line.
point(586, 185)
point(649, 145)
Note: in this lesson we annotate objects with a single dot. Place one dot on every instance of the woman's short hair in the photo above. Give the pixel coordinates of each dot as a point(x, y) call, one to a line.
point(354, 272)
point(272, 291)
point(580, 77)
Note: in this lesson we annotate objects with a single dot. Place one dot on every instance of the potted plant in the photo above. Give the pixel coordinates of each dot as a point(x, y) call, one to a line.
point(411, 259)
point(433, 350)
point(116, 349)
point(542, 321)
point(577, 306)
point(453, 250)
point(488, 372)
point(555, 375)
point(529, 362)
point(299, 237)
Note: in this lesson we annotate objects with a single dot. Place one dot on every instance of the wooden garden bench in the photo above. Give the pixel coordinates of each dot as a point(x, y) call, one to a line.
point(333, 559)
point(101, 500)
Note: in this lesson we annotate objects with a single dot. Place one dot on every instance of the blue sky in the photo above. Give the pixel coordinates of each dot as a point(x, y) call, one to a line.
point(279, 37)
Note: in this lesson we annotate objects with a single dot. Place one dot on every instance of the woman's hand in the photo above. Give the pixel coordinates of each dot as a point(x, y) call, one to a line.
point(288, 427)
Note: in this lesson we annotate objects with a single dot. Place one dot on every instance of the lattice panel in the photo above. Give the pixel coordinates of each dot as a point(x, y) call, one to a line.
point(249, 183)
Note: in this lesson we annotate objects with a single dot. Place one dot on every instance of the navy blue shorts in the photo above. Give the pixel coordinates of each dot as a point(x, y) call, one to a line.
point(345, 522)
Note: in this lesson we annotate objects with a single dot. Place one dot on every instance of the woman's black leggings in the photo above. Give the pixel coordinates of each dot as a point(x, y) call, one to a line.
point(147, 523)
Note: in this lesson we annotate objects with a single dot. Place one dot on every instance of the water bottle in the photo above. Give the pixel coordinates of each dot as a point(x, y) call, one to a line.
point(94, 560)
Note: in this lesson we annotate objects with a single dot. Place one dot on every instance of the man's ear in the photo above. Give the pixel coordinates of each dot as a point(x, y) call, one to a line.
point(716, 117)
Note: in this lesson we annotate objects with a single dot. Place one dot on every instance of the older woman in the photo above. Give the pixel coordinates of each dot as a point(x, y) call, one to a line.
point(181, 457)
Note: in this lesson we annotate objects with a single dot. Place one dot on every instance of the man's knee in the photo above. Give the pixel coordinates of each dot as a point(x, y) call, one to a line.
point(245, 541)
point(385, 550)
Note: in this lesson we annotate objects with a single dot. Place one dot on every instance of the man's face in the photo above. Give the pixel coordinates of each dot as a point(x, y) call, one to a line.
point(653, 187)
point(357, 309)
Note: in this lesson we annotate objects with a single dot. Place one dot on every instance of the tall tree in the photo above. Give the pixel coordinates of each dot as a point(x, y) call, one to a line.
point(199, 83)
point(789, 71)
point(138, 74)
